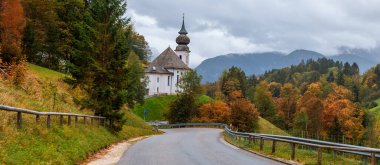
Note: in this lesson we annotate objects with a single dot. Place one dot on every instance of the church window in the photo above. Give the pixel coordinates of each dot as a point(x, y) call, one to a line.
point(177, 78)
point(158, 79)
point(180, 57)
point(158, 91)
point(168, 80)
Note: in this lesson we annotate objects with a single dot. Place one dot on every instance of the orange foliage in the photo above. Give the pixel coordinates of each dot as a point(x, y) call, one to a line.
point(341, 115)
point(311, 103)
point(287, 103)
point(244, 114)
point(12, 23)
point(215, 112)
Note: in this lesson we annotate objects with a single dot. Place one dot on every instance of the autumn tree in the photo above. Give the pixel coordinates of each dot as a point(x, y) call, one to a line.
point(287, 104)
point(310, 107)
point(244, 115)
point(341, 116)
point(12, 23)
point(233, 79)
point(215, 112)
point(264, 102)
point(275, 88)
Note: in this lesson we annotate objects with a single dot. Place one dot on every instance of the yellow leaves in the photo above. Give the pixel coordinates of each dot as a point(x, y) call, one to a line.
point(338, 106)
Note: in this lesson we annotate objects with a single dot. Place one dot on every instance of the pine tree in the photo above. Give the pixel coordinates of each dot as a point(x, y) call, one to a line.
point(99, 64)
point(340, 78)
point(330, 78)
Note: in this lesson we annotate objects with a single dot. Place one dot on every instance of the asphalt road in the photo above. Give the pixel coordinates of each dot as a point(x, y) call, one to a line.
point(188, 146)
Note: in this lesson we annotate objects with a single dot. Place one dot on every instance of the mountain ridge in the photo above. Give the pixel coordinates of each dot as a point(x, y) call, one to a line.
point(257, 63)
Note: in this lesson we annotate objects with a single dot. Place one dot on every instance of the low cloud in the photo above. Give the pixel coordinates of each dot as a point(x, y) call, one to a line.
point(224, 26)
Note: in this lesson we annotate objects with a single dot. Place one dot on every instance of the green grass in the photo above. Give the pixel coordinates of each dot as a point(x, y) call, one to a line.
point(45, 73)
point(158, 106)
point(35, 143)
point(302, 155)
point(376, 110)
point(267, 127)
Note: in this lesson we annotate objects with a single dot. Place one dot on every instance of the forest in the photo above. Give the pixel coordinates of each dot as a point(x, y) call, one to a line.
point(322, 99)
point(90, 41)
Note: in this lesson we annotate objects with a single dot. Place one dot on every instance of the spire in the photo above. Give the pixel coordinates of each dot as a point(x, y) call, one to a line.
point(183, 29)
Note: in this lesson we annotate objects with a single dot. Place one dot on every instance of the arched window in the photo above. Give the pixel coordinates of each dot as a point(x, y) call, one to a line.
point(180, 57)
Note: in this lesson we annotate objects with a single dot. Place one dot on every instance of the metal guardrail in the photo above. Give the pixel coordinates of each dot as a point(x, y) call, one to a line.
point(293, 141)
point(20, 111)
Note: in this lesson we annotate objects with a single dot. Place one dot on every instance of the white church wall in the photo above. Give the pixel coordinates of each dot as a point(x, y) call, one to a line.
point(159, 84)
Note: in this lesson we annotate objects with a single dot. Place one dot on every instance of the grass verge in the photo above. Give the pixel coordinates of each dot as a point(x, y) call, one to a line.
point(44, 90)
point(303, 155)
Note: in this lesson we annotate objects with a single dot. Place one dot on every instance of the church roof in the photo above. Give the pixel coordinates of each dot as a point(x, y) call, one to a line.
point(168, 59)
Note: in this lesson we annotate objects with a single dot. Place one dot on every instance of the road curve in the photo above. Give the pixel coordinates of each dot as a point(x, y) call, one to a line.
point(188, 146)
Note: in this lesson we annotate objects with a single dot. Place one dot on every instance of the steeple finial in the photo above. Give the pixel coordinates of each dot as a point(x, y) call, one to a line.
point(183, 29)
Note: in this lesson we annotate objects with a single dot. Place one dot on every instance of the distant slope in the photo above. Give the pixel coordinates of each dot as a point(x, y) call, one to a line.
point(267, 127)
point(258, 63)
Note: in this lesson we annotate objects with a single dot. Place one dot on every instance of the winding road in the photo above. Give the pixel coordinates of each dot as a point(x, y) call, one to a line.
point(188, 146)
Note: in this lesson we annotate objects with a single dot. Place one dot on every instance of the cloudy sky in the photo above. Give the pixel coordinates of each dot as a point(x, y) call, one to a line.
point(219, 27)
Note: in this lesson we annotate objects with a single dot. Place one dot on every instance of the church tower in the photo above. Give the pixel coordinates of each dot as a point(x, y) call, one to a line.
point(183, 40)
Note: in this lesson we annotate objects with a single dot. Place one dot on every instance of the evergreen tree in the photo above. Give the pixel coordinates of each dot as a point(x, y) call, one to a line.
point(100, 62)
point(330, 78)
point(340, 78)
point(184, 107)
point(355, 69)
point(135, 74)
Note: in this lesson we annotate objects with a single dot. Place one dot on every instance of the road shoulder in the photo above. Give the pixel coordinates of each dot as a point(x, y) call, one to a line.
point(112, 154)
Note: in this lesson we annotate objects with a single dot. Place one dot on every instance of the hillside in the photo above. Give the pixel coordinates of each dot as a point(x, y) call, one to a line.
point(44, 90)
point(156, 107)
point(258, 63)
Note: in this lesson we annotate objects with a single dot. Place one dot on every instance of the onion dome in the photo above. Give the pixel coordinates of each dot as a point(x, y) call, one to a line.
point(183, 39)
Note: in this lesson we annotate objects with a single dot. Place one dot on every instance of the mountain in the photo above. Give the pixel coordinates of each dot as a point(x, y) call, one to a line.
point(257, 63)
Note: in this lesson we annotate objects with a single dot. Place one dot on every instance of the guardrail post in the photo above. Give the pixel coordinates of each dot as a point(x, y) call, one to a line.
point(37, 118)
point(261, 143)
point(84, 120)
point(273, 146)
point(60, 119)
point(92, 121)
point(373, 158)
point(19, 120)
point(365, 160)
point(293, 150)
point(319, 156)
point(48, 121)
point(69, 120)
point(76, 119)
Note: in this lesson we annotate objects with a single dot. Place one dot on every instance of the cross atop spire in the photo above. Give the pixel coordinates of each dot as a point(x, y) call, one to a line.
point(183, 29)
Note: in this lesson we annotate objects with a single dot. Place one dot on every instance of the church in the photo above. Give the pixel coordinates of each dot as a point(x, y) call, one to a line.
point(164, 72)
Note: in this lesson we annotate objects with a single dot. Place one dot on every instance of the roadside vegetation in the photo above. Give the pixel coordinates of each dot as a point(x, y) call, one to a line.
point(320, 99)
point(303, 155)
point(44, 90)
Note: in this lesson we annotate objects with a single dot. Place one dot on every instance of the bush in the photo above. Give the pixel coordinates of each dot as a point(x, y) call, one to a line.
point(244, 115)
point(182, 109)
point(214, 112)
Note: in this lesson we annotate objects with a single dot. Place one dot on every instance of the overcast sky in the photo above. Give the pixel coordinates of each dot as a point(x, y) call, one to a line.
point(219, 27)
